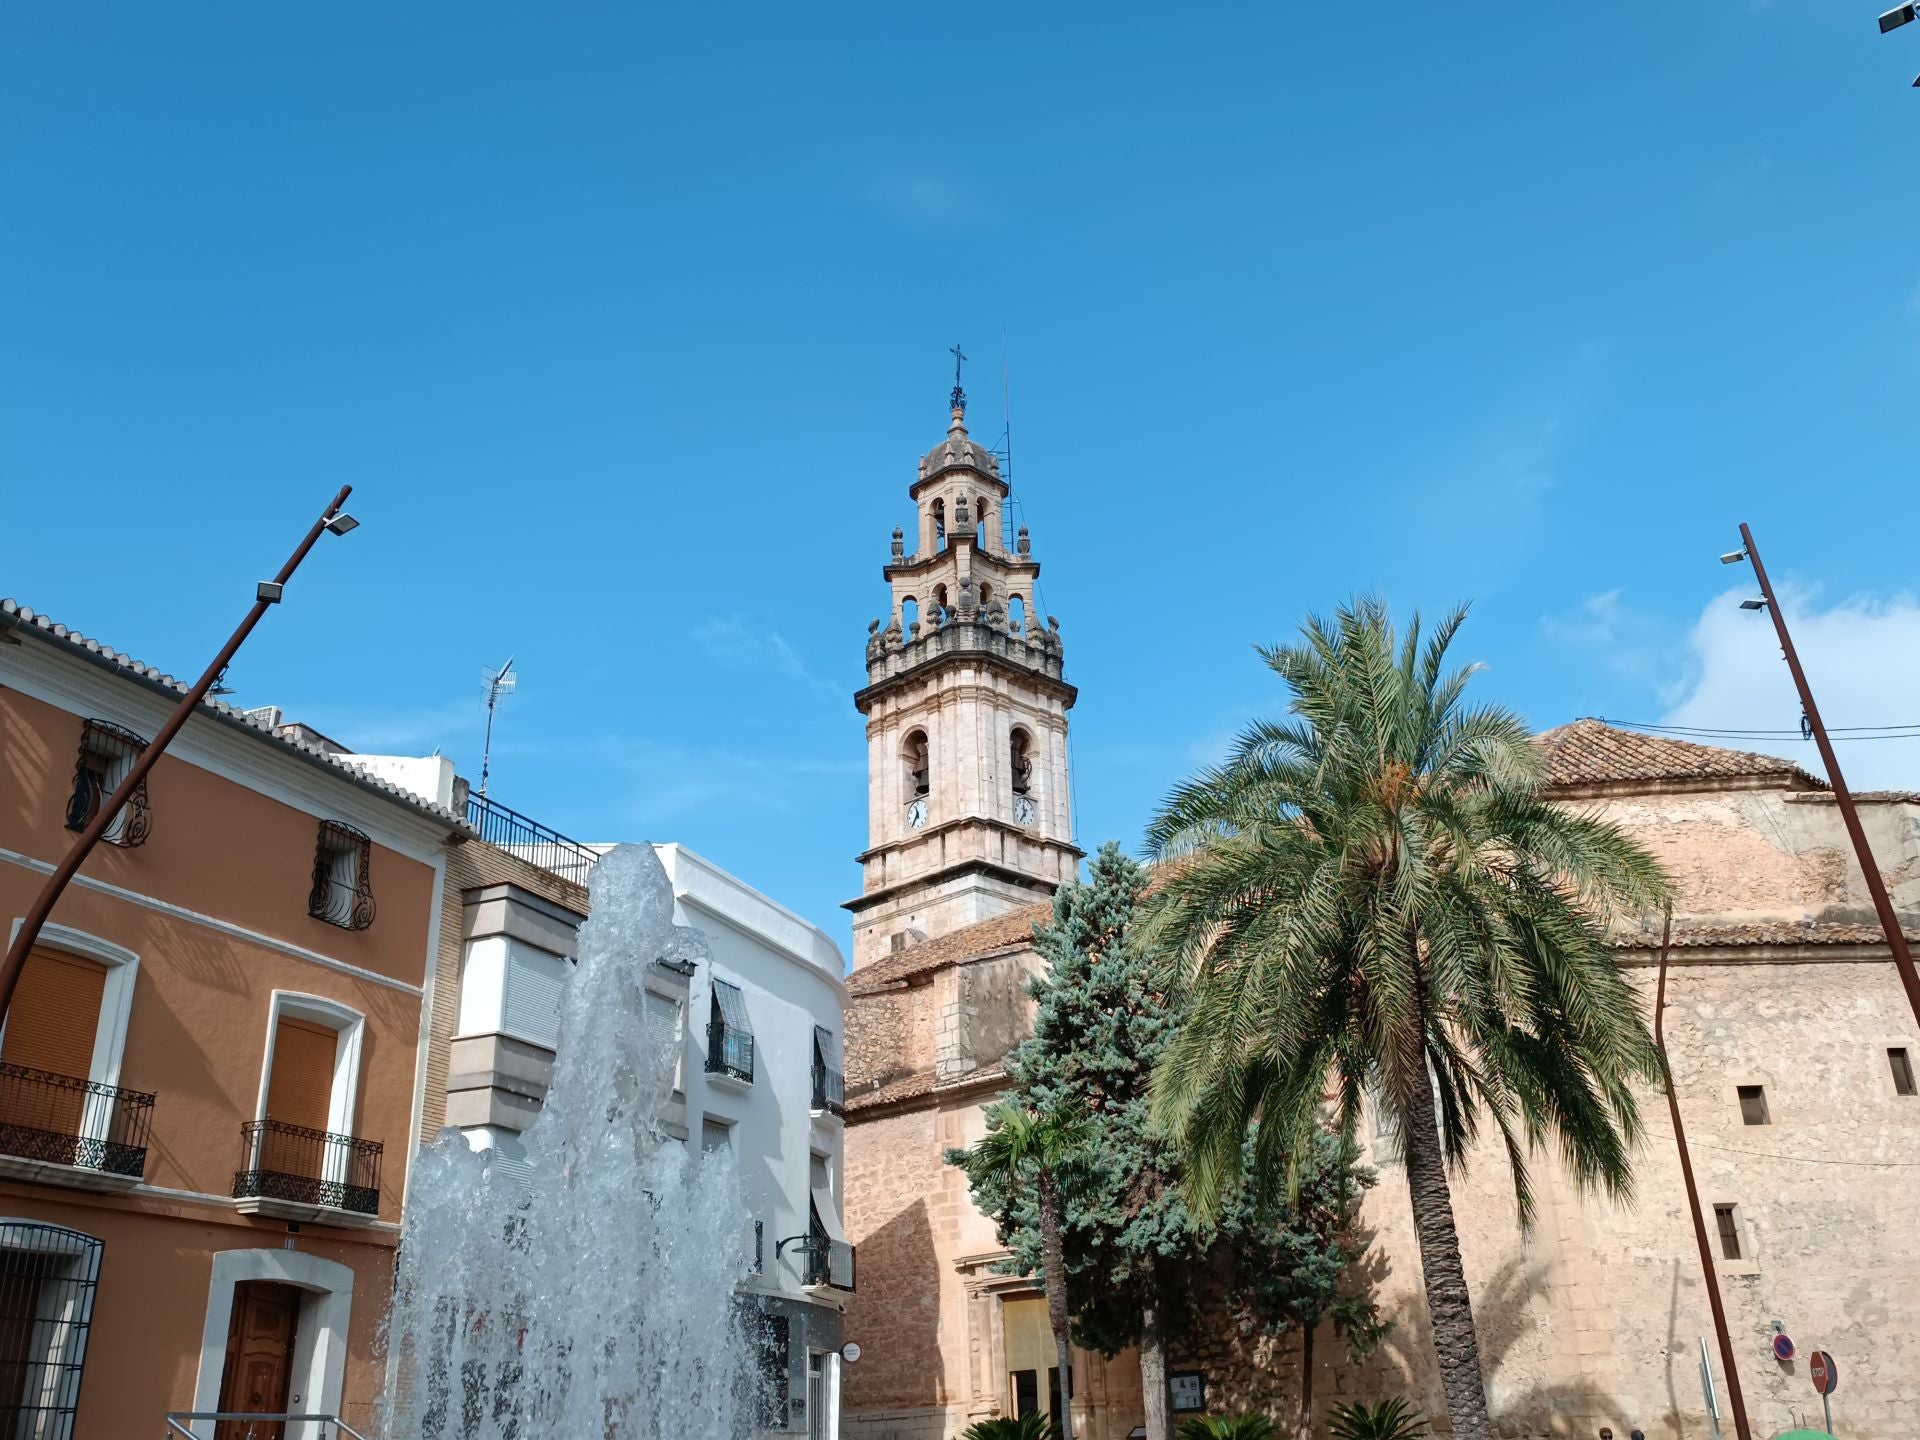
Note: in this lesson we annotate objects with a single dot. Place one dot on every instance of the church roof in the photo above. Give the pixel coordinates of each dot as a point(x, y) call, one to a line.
point(1593, 753)
point(1011, 931)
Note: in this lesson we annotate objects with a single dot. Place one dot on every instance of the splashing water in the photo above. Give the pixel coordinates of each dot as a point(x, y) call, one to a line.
point(598, 1301)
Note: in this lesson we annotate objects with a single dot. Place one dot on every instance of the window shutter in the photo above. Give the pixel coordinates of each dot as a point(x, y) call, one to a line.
point(300, 1090)
point(55, 1014)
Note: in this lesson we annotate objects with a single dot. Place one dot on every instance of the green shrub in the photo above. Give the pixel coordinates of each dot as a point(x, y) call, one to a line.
point(1244, 1426)
point(1389, 1420)
point(1035, 1425)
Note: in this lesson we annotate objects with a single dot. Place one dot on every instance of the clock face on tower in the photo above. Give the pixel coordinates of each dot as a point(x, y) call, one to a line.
point(917, 814)
point(1023, 809)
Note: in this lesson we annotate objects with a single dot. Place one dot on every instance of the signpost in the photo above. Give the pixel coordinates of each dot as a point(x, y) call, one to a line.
point(1826, 1379)
point(1706, 1390)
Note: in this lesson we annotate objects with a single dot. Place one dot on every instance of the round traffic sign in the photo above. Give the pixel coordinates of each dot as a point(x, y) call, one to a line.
point(1782, 1348)
point(1826, 1374)
point(850, 1352)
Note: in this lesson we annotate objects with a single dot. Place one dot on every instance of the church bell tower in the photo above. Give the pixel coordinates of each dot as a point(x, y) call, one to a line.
point(968, 804)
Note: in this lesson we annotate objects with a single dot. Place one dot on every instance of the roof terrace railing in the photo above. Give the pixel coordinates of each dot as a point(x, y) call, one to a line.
point(530, 840)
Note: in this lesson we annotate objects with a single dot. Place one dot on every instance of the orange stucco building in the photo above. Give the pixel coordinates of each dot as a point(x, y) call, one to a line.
point(213, 1069)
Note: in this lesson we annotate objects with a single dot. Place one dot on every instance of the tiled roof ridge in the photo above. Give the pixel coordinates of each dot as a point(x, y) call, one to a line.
point(344, 764)
point(1776, 933)
point(1589, 751)
point(1010, 931)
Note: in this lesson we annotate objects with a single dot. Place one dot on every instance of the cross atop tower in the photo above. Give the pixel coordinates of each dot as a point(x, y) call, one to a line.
point(959, 398)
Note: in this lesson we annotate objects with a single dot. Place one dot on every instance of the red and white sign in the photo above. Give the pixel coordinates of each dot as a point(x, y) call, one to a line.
point(1826, 1374)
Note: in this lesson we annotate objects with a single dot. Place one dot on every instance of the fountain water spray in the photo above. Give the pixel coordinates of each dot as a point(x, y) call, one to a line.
point(595, 1302)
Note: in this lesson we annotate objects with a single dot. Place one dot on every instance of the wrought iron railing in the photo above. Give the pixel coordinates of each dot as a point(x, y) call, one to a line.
point(107, 753)
point(342, 891)
point(729, 1051)
point(530, 840)
point(829, 1089)
point(254, 1424)
point(826, 1262)
point(308, 1167)
point(63, 1120)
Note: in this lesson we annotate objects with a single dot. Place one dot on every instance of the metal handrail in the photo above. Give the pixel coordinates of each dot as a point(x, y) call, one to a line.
point(193, 1417)
point(533, 842)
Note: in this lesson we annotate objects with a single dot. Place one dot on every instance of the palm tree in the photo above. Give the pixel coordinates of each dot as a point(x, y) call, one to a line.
point(1372, 901)
point(1027, 1147)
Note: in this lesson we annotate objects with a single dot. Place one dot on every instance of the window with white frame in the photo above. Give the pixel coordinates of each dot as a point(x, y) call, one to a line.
point(61, 1045)
point(342, 891)
point(48, 1276)
point(666, 1024)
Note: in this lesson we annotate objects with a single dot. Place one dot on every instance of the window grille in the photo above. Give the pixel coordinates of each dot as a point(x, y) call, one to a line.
point(107, 755)
point(48, 1276)
point(829, 1081)
point(1729, 1231)
point(342, 877)
point(729, 1036)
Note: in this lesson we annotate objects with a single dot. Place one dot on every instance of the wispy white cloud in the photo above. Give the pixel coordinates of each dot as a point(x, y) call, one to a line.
point(1626, 640)
point(737, 643)
point(1858, 655)
point(652, 784)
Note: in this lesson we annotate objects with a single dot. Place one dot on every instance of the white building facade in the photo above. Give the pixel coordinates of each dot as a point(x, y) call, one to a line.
point(759, 1077)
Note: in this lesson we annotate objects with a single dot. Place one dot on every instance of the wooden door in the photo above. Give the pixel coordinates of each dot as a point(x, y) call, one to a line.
point(259, 1370)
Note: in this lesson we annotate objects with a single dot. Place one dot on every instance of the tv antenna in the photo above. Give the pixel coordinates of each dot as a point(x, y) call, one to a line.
point(500, 683)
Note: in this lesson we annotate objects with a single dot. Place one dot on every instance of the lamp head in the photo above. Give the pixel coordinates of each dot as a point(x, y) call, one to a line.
point(268, 591)
point(1753, 604)
point(341, 523)
point(1733, 557)
point(1893, 19)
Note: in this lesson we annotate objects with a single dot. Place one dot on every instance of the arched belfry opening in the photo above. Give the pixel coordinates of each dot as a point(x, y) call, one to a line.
point(917, 758)
point(1020, 761)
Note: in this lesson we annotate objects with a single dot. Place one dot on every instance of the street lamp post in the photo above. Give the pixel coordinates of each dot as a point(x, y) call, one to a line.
point(268, 593)
point(1721, 1334)
point(1843, 797)
point(1893, 19)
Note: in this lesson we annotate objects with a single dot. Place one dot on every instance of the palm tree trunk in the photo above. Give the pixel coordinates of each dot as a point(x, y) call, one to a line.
point(1153, 1374)
point(1450, 1308)
point(1303, 1429)
point(1053, 1265)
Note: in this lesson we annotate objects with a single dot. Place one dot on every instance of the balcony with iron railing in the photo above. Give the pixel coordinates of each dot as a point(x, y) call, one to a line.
point(531, 841)
point(61, 1130)
point(829, 1090)
point(729, 1052)
point(292, 1172)
point(825, 1261)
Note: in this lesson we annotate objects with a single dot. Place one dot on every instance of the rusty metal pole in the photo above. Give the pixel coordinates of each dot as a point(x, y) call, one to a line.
point(1876, 887)
point(57, 882)
point(1734, 1398)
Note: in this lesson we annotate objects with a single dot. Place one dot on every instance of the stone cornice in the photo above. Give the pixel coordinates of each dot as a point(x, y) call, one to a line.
point(1043, 889)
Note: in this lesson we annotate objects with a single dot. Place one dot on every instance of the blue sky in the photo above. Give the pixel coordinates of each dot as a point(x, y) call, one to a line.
point(628, 323)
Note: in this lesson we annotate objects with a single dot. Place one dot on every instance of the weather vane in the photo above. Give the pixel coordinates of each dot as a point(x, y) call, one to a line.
point(959, 395)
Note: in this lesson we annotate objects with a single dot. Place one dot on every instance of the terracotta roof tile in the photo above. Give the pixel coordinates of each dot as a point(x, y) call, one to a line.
point(1591, 752)
point(911, 1087)
point(1767, 932)
point(1011, 931)
point(18, 616)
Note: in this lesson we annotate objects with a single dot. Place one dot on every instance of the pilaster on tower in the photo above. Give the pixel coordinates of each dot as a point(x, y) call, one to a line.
point(969, 792)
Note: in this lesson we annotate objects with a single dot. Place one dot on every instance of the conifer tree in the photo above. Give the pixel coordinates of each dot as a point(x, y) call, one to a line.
point(1138, 1262)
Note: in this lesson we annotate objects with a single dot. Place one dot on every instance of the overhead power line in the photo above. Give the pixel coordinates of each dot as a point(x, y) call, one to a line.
point(1839, 732)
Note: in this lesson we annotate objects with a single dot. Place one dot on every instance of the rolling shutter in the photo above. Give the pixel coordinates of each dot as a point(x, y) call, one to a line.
point(300, 1090)
point(55, 1014)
